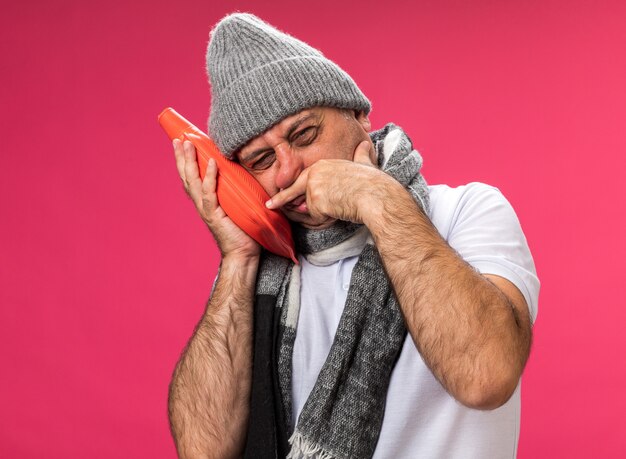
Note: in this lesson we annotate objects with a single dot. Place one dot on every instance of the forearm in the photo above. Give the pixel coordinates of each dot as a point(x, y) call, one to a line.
point(465, 328)
point(210, 389)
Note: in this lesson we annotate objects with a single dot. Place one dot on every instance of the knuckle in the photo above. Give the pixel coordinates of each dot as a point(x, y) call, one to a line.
point(315, 194)
point(206, 188)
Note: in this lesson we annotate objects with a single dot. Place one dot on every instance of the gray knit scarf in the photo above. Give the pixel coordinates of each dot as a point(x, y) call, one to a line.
point(343, 414)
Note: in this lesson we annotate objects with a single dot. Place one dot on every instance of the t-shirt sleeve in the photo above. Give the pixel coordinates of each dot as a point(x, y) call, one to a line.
point(487, 234)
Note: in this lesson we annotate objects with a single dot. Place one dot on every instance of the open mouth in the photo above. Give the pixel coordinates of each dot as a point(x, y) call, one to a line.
point(297, 205)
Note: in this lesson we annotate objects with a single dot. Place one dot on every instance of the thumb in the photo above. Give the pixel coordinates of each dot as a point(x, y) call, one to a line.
point(365, 154)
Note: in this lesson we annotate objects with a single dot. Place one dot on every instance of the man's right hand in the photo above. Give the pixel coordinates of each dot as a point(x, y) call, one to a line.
point(231, 240)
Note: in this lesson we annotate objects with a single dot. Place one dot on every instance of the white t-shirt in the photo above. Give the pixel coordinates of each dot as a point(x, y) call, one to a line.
point(421, 419)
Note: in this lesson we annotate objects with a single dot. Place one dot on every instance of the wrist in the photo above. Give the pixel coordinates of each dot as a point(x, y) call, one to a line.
point(383, 195)
point(240, 260)
point(234, 290)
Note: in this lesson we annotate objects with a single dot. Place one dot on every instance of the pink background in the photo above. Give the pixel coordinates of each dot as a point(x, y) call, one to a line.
point(105, 266)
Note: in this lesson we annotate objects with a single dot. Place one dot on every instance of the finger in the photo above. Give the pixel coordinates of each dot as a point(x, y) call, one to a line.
point(297, 188)
point(179, 155)
point(192, 176)
point(365, 154)
point(209, 185)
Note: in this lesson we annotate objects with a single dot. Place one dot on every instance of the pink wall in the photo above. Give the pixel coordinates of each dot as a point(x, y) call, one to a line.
point(105, 266)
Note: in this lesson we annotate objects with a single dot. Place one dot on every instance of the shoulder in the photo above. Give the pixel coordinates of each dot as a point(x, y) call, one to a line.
point(449, 204)
point(481, 225)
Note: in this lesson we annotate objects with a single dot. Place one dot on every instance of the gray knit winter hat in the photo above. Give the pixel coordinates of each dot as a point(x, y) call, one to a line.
point(260, 75)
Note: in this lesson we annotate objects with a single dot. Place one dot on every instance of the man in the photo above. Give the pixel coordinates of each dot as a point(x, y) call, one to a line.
point(405, 328)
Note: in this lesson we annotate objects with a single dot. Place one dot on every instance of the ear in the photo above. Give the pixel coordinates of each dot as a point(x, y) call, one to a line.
point(363, 120)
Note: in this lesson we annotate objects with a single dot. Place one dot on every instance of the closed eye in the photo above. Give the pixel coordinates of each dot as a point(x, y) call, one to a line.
point(305, 136)
point(264, 161)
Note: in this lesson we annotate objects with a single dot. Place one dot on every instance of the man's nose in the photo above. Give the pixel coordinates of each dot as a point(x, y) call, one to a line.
point(289, 166)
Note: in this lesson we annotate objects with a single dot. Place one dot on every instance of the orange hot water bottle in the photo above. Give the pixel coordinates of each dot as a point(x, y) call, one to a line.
point(239, 194)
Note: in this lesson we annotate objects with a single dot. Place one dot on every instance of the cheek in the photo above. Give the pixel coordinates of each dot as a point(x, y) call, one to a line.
point(314, 153)
point(346, 141)
point(268, 182)
point(337, 148)
point(269, 187)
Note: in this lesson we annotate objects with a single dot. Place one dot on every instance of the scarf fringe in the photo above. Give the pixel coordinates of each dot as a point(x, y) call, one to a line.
point(302, 448)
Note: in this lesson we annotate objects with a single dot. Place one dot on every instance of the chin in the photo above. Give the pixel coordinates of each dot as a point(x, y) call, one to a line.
point(318, 226)
point(308, 222)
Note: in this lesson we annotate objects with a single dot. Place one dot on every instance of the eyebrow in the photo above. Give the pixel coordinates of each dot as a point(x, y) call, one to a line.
point(299, 122)
point(296, 124)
